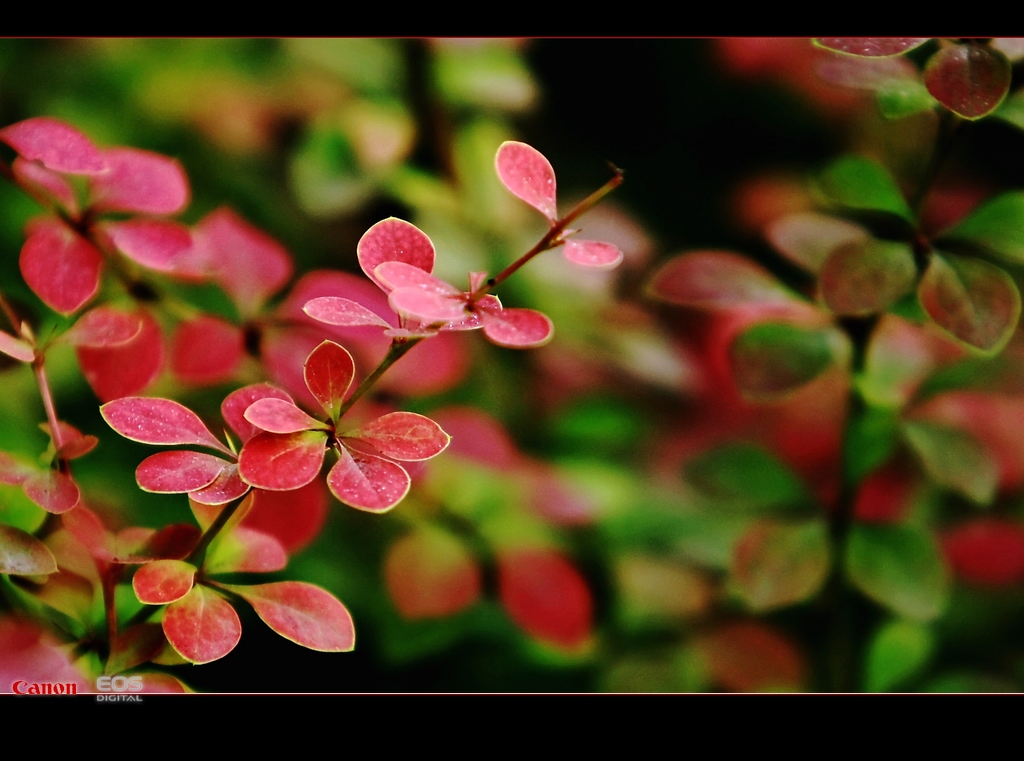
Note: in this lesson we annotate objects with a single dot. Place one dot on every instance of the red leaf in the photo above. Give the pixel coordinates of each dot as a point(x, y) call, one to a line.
point(871, 46)
point(279, 416)
point(294, 518)
point(528, 175)
point(749, 657)
point(368, 483)
point(103, 327)
point(202, 626)
point(152, 420)
point(244, 550)
point(117, 371)
point(282, 462)
point(178, 472)
point(76, 447)
point(394, 240)
point(15, 347)
point(60, 266)
point(403, 436)
point(55, 144)
point(226, 487)
point(303, 613)
point(206, 351)
point(970, 80)
point(173, 542)
point(545, 595)
point(52, 490)
point(592, 253)
point(139, 181)
point(233, 408)
point(163, 581)
point(987, 551)
point(154, 243)
point(328, 372)
point(517, 328)
point(431, 574)
point(716, 280)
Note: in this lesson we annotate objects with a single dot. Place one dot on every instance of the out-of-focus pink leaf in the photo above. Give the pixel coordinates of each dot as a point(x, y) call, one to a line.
point(294, 517)
point(178, 471)
point(546, 596)
point(716, 280)
point(430, 574)
point(245, 550)
point(77, 447)
point(279, 416)
point(970, 80)
point(88, 529)
point(22, 554)
point(173, 542)
point(368, 483)
point(15, 347)
point(430, 367)
point(284, 352)
point(30, 649)
point(38, 178)
point(328, 372)
point(517, 328)
point(117, 371)
point(202, 626)
point(52, 490)
point(335, 310)
point(807, 238)
point(592, 253)
point(151, 420)
point(206, 351)
point(205, 515)
point(873, 74)
point(556, 501)
point(55, 144)
point(139, 181)
point(528, 175)
point(163, 581)
point(750, 656)
point(226, 487)
point(60, 266)
point(871, 46)
point(866, 277)
point(134, 646)
point(988, 551)
point(394, 240)
point(233, 408)
point(282, 462)
point(973, 300)
point(303, 613)
point(403, 436)
point(154, 243)
point(12, 471)
point(478, 437)
point(103, 327)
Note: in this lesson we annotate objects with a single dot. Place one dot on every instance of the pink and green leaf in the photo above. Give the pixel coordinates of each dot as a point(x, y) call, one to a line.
point(282, 462)
point(158, 421)
point(403, 436)
point(807, 238)
point(528, 175)
point(139, 181)
point(55, 145)
point(716, 280)
point(245, 550)
point(955, 459)
point(21, 554)
point(54, 491)
point(777, 564)
point(866, 277)
point(134, 646)
point(178, 471)
point(394, 240)
point(60, 266)
point(970, 80)
point(368, 483)
point(972, 300)
point(770, 360)
point(102, 327)
point(328, 372)
point(303, 613)
point(12, 471)
point(16, 348)
point(592, 253)
point(202, 626)
point(871, 46)
point(163, 581)
point(997, 224)
point(431, 574)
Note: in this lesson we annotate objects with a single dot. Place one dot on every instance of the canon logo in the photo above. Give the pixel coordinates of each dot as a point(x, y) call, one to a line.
point(21, 687)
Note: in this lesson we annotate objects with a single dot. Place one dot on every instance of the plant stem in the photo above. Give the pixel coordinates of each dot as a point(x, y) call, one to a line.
point(195, 557)
point(399, 348)
point(51, 410)
point(948, 130)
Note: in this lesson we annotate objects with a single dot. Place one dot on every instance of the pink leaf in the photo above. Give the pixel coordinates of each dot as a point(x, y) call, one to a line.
point(178, 472)
point(158, 421)
point(206, 351)
point(807, 238)
point(245, 550)
point(294, 517)
point(15, 347)
point(282, 462)
point(173, 542)
point(431, 367)
point(716, 280)
point(592, 253)
point(60, 266)
point(226, 487)
point(871, 46)
point(103, 327)
point(22, 554)
point(163, 581)
point(401, 275)
point(970, 80)
point(55, 144)
point(478, 437)
point(518, 328)
point(368, 483)
point(334, 310)
point(303, 613)
point(52, 490)
point(233, 408)
point(528, 175)
point(36, 177)
point(394, 240)
point(154, 243)
point(428, 306)
point(117, 371)
point(279, 416)
point(77, 447)
point(85, 526)
point(403, 436)
point(328, 372)
point(430, 574)
point(13, 472)
point(202, 626)
point(139, 181)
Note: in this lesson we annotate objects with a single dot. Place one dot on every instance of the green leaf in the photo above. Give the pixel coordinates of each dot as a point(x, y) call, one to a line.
point(484, 75)
point(772, 359)
point(972, 300)
point(868, 276)
point(898, 651)
point(899, 567)
point(860, 183)
point(955, 459)
point(899, 98)
point(776, 564)
point(746, 477)
point(1012, 110)
point(325, 174)
point(997, 224)
point(870, 438)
